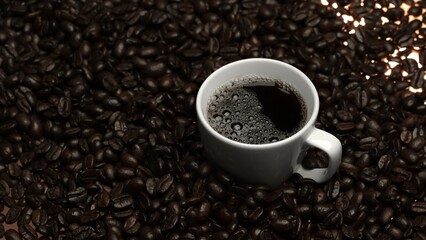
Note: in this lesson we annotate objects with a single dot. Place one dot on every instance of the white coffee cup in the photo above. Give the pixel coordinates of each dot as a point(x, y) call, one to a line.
point(269, 163)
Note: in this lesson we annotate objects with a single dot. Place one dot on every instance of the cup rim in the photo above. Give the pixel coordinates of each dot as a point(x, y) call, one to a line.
point(309, 123)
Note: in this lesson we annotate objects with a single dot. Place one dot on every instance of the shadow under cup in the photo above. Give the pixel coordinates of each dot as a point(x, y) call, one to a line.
point(269, 163)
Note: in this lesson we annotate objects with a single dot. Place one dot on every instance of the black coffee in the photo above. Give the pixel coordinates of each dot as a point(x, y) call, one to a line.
point(256, 110)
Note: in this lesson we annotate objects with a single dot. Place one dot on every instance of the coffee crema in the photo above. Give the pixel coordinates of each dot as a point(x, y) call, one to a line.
point(256, 109)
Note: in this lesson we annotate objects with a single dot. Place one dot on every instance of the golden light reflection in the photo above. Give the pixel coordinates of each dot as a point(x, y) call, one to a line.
point(414, 54)
point(415, 90)
point(324, 2)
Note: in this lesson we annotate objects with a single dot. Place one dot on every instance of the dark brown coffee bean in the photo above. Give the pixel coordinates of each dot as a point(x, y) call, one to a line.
point(154, 69)
point(110, 83)
point(419, 222)
point(64, 106)
point(90, 216)
point(368, 174)
point(417, 143)
point(54, 153)
point(333, 219)
point(78, 195)
point(172, 217)
point(18, 191)
point(409, 155)
point(216, 190)
point(386, 215)
point(349, 232)
point(148, 232)
point(13, 214)
point(345, 126)
point(23, 121)
point(129, 160)
point(131, 225)
point(384, 162)
point(333, 189)
point(204, 211)
point(395, 232)
point(418, 207)
point(27, 232)
point(103, 199)
point(282, 224)
point(320, 210)
point(255, 214)
point(55, 192)
point(302, 210)
point(122, 201)
point(368, 143)
point(39, 217)
point(12, 234)
point(36, 128)
point(81, 232)
point(136, 184)
point(399, 175)
point(165, 183)
point(124, 172)
point(406, 136)
point(151, 186)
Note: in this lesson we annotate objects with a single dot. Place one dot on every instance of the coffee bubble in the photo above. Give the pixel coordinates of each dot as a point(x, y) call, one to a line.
point(238, 113)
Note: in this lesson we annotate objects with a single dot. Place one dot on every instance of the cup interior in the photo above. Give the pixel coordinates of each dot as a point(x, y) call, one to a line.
point(267, 67)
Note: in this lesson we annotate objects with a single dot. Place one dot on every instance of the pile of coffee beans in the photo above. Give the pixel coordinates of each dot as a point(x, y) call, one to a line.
point(98, 133)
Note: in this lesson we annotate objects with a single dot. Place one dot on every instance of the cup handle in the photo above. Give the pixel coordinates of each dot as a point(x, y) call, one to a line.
point(329, 144)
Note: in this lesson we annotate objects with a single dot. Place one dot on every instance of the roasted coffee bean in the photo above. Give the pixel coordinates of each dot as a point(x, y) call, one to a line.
point(333, 189)
point(13, 214)
point(18, 192)
point(386, 215)
point(216, 190)
point(368, 143)
point(131, 225)
point(39, 217)
point(204, 211)
point(81, 232)
point(302, 210)
point(64, 106)
point(12, 234)
point(172, 217)
point(124, 172)
point(78, 195)
point(418, 207)
point(417, 143)
point(136, 184)
point(399, 175)
point(368, 174)
point(409, 155)
point(122, 201)
point(90, 216)
point(154, 69)
point(333, 219)
point(151, 186)
point(165, 183)
point(54, 192)
point(320, 210)
point(27, 232)
point(282, 224)
point(419, 221)
point(129, 160)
